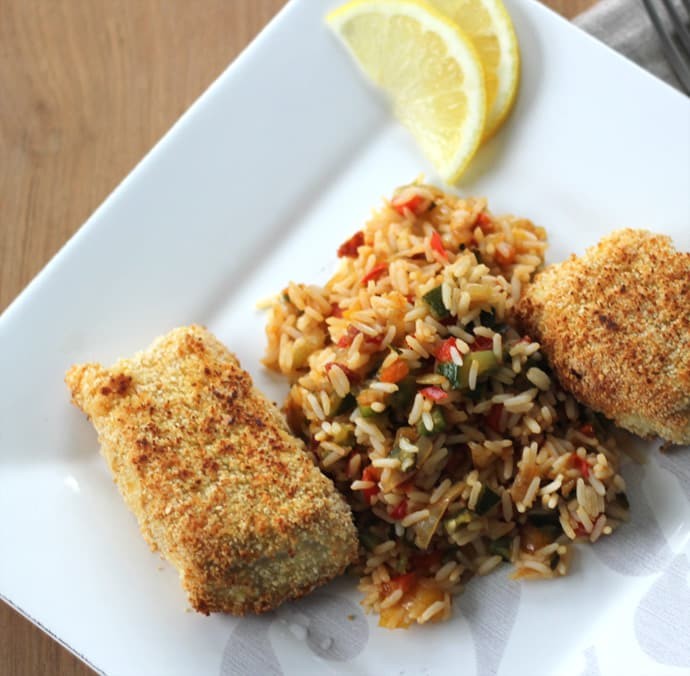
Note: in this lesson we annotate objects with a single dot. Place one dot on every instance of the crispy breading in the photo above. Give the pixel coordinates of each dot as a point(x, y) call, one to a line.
point(217, 483)
point(615, 325)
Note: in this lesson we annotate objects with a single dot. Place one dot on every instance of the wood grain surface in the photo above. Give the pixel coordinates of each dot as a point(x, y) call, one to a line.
point(86, 88)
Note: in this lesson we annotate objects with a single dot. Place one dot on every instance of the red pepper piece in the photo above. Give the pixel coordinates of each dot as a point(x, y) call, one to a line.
point(374, 340)
point(493, 417)
point(437, 245)
point(456, 457)
point(426, 561)
point(400, 510)
point(349, 247)
point(351, 375)
point(581, 464)
point(347, 337)
point(407, 486)
point(483, 221)
point(505, 253)
point(395, 372)
point(580, 530)
point(587, 430)
point(405, 582)
point(482, 343)
point(443, 350)
point(374, 273)
point(370, 474)
point(411, 201)
point(336, 310)
point(434, 393)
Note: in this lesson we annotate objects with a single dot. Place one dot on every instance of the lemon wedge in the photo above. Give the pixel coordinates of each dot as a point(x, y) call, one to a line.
point(489, 27)
point(428, 67)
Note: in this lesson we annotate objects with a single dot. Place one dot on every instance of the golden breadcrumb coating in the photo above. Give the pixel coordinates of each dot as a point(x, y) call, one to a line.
point(615, 325)
point(215, 480)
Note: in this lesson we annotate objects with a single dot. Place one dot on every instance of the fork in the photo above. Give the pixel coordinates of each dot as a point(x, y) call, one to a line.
point(674, 36)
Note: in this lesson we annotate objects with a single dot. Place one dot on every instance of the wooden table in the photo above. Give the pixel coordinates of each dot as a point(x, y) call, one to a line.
point(88, 86)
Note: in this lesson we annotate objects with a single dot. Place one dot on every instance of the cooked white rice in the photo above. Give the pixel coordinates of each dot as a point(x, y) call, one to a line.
point(435, 417)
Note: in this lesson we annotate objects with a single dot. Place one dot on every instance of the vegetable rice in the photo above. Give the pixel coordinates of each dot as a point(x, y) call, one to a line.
point(441, 424)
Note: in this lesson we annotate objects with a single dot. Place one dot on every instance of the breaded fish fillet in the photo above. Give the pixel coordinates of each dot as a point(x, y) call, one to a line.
point(615, 325)
point(215, 480)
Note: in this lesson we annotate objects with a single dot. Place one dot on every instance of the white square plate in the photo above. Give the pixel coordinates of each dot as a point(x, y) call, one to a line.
point(258, 183)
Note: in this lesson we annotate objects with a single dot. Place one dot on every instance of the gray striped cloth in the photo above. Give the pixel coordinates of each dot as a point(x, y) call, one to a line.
point(625, 26)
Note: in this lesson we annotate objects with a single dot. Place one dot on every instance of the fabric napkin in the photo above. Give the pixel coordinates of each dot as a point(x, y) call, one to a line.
point(625, 26)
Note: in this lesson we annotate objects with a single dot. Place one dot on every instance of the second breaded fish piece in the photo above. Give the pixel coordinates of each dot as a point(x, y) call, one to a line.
point(615, 325)
point(215, 480)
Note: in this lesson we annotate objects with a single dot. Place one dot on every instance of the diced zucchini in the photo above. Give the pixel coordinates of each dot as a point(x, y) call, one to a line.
point(486, 362)
point(488, 319)
point(367, 411)
point(438, 426)
point(459, 376)
point(501, 546)
point(452, 523)
point(347, 404)
point(434, 299)
point(533, 361)
point(487, 501)
point(543, 518)
point(407, 459)
point(402, 399)
point(369, 540)
point(478, 393)
point(401, 564)
point(451, 371)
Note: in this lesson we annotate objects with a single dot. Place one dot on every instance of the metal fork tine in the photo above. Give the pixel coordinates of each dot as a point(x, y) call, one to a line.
point(680, 28)
point(687, 5)
point(675, 58)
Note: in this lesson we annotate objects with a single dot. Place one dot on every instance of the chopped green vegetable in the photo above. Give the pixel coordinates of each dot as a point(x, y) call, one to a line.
point(403, 398)
point(487, 318)
point(407, 459)
point(459, 376)
point(534, 361)
point(452, 523)
point(555, 559)
point(369, 540)
point(367, 411)
point(543, 518)
point(487, 501)
point(478, 393)
point(486, 362)
point(375, 364)
point(347, 404)
point(434, 299)
point(501, 546)
point(451, 371)
point(438, 423)
point(286, 298)
point(401, 563)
